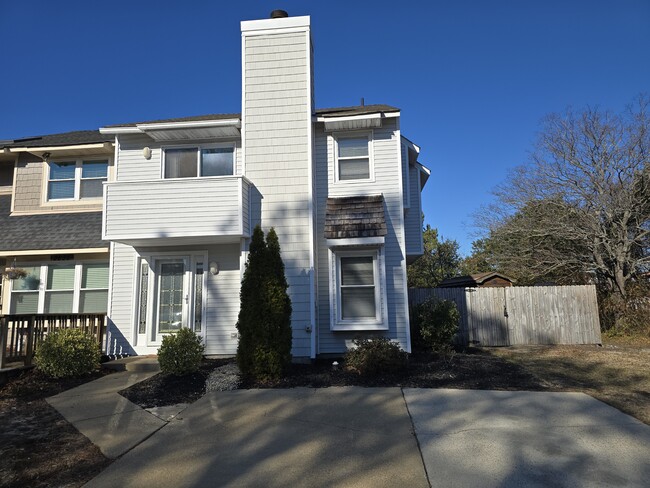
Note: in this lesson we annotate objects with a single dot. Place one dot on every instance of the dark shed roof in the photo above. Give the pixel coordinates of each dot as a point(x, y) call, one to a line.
point(477, 279)
point(48, 231)
point(350, 217)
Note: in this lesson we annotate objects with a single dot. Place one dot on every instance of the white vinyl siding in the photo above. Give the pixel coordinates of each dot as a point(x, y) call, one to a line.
point(220, 296)
point(386, 155)
point(276, 130)
point(182, 208)
point(413, 215)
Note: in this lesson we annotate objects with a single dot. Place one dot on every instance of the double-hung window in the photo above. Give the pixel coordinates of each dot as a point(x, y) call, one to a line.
point(61, 288)
point(357, 283)
point(76, 179)
point(190, 162)
point(353, 161)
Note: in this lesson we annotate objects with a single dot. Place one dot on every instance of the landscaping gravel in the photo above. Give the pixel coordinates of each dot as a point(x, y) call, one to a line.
point(223, 378)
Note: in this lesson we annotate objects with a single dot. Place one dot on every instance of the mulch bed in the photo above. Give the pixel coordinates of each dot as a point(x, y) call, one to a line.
point(38, 448)
point(471, 369)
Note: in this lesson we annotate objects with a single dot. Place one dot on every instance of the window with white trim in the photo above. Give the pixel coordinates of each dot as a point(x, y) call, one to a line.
point(357, 283)
point(61, 288)
point(190, 162)
point(76, 179)
point(352, 157)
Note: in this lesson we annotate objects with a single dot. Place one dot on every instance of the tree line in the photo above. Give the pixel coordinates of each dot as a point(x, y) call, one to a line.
point(578, 212)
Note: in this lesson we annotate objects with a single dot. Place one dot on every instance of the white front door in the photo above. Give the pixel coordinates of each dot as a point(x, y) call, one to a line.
point(172, 297)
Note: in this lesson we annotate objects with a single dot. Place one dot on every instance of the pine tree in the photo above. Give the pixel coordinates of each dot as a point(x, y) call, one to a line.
point(264, 323)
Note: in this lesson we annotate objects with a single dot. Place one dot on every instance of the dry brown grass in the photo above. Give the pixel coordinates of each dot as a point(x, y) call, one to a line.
point(617, 373)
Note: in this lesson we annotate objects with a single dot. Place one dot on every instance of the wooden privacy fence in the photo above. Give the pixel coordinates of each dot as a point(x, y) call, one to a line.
point(521, 314)
point(20, 335)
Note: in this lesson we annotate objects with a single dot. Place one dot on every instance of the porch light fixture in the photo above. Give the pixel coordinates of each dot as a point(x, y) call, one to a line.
point(214, 268)
point(146, 152)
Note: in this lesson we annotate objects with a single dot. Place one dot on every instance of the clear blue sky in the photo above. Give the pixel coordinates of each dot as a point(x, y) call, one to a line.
point(473, 78)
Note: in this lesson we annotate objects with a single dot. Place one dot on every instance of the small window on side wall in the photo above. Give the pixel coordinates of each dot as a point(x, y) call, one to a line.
point(353, 158)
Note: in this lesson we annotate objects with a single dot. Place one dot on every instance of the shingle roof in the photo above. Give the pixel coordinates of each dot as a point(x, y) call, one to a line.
point(49, 231)
point(63, 139)
point(333, 112)
point(350, 217)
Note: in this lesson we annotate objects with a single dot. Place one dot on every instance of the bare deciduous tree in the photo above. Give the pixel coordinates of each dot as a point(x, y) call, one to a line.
point(582, 205)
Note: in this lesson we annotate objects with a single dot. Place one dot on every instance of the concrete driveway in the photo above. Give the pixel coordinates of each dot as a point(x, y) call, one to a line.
point(364, 437)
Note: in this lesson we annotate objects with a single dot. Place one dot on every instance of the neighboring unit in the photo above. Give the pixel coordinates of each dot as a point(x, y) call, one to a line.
point(341, 187)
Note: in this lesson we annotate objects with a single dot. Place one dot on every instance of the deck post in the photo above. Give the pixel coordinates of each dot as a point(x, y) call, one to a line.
point(4, 324)
point(29, 351)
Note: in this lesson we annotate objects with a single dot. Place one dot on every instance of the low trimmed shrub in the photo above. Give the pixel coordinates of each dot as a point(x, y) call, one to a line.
point(375, 356)
point(68, 352)
point(435, 323)
point(181, 353)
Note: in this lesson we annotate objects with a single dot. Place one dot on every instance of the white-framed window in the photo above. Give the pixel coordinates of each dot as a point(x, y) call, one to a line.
point(76, 179)
point(65, 287)
point(196, 161)
point(357, 289)
point(353, 157)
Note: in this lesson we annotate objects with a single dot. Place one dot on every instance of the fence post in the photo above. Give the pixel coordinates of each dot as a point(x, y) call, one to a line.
point(4, 331)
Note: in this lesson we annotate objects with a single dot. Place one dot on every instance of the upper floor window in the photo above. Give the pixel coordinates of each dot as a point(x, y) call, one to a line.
point(190, 162)
point(76, 179)
point(353, 161)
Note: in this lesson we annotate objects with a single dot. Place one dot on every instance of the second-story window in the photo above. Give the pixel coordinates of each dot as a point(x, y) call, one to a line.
point(76, 179)
point(190, 162)
point(353, 160)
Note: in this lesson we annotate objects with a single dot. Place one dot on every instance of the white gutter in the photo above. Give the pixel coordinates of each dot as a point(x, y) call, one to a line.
point(345, 118)
point(192, 124)
point(102, 145)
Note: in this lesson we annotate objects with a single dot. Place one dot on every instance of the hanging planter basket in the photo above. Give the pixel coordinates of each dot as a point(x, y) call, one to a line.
point(15, 273)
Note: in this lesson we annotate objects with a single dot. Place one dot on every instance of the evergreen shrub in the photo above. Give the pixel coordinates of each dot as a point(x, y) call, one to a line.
point(68, 352)
point(181, 353)
point(371, 357)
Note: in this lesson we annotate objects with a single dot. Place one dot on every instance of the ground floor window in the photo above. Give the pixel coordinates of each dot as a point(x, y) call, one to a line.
point(357, 287)
point(61, 288)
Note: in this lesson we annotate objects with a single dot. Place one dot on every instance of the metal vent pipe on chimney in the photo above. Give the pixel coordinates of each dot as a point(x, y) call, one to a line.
point(279, 14)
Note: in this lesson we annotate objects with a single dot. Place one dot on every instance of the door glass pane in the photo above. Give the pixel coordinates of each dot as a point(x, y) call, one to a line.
point(170, 311)
point(358, 303)
point(58, 301)
point(217, 161)
point(357, 270)
point(180, 163)
point(198, 297)
point(144, 296)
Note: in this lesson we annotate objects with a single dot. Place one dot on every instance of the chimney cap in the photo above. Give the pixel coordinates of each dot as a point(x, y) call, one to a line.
point(279, 14)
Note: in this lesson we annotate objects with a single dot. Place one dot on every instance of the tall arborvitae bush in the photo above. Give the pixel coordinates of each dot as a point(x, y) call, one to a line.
point(264, 324)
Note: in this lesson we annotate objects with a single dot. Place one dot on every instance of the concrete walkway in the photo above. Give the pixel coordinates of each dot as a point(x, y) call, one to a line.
point(359, 437)
point(110, 421)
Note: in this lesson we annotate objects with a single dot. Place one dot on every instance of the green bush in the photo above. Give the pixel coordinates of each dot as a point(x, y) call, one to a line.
point(375, 356)
point(68, 352)
point(434, 323)
point(180, 353)
point(264, 324)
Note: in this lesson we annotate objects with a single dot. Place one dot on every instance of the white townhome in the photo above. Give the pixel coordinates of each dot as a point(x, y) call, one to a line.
point(341, 186)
